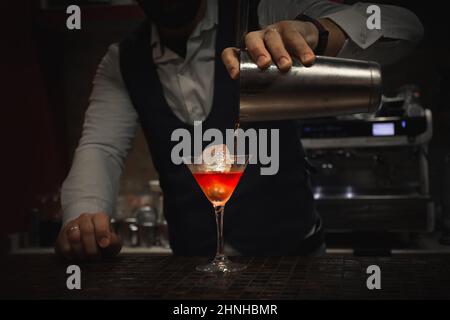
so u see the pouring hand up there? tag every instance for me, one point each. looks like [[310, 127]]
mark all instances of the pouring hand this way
[[280, 41], [276, 43]]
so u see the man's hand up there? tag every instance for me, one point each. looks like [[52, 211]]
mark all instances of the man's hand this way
[[88, 237], [278, 42]]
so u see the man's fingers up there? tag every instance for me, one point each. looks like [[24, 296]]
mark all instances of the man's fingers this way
[[277, 42], [114, 248], [298, 46], [102, 229], [275, 45], [230, 58], [88, 239], [254, 42], [74, 237]]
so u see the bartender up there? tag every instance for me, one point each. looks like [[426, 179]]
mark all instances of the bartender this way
[[179, 67]]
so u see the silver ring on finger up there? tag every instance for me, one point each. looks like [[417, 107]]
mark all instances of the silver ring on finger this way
[[74, 228]]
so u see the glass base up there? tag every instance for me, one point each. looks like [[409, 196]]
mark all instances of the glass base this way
[[221, 265]]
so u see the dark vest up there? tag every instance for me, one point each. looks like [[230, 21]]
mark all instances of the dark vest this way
[[267, 215]]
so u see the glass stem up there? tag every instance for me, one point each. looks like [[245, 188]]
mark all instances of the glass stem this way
[[220, 254]]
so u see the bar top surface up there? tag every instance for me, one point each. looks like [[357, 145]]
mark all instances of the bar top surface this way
[[139, 276]]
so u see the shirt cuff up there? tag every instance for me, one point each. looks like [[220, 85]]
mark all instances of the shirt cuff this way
[[354, 24], [74, 210]]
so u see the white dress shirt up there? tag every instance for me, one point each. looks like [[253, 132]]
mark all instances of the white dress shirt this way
[[188, 84]]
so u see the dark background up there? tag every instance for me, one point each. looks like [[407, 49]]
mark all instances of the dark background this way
[[46, 79]]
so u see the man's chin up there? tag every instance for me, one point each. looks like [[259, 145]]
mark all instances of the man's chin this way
[[180, 15], [173, 24]]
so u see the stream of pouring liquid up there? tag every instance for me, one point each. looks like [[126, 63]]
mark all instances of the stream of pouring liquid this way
[[237, 125]]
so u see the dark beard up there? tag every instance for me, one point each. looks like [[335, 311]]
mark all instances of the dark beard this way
[[171, 14]]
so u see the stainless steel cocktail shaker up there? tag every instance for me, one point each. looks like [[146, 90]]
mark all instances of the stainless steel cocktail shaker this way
[[331, 87]]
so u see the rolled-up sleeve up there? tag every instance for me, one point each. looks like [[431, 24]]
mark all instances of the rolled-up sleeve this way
[[400, 29], [109, 127], [396, 23]]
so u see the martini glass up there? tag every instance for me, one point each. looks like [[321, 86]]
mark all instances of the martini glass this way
[[218, 181]]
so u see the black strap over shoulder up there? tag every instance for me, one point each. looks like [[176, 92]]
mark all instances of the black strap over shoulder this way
[[247, 20], [253, 19]]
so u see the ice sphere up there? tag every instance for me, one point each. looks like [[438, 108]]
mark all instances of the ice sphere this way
[[217, 158]]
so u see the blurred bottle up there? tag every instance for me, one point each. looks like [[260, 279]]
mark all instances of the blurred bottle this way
[[33, 228], [128, 231], [50, 220], [146, 221], [145, 195], [411, 95], [44, 221], [157, 200], [129, 200]]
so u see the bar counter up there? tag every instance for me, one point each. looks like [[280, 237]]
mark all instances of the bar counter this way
[[138, 276]]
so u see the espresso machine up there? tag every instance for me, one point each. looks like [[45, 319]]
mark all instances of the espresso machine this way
[[369, 172]]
